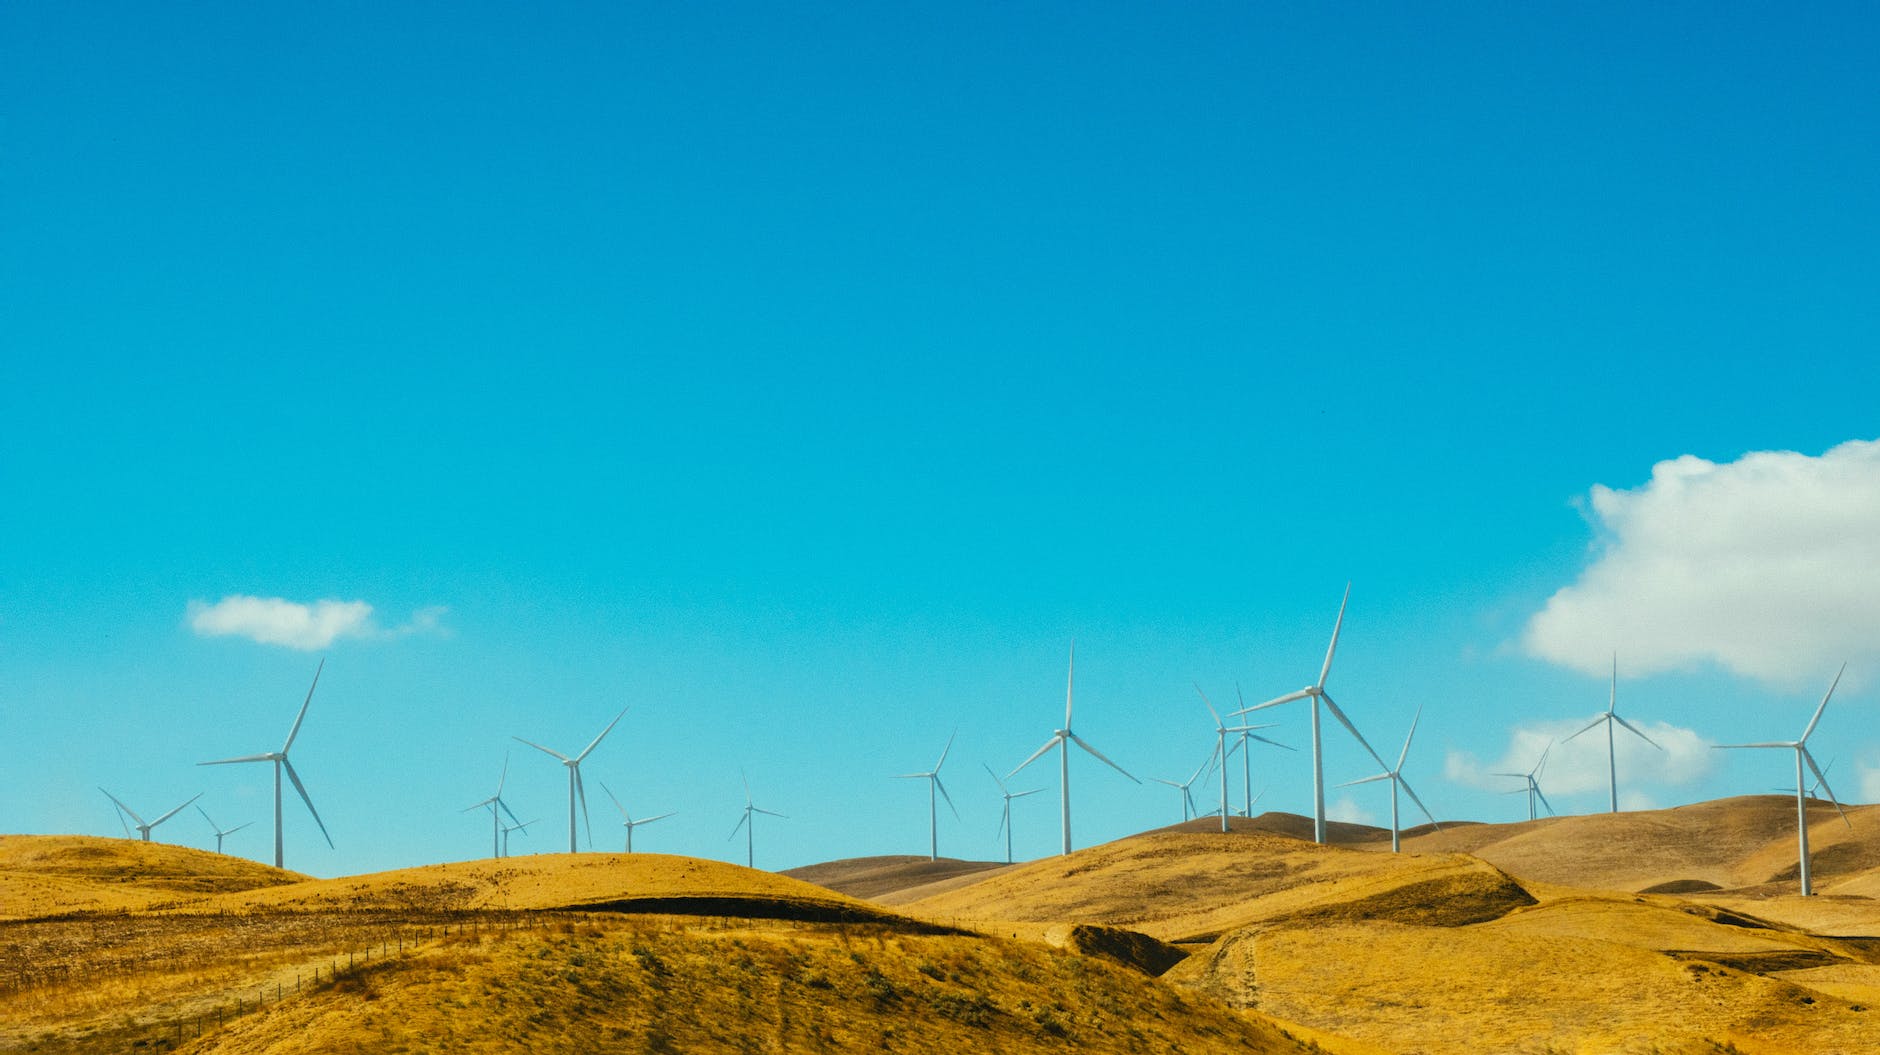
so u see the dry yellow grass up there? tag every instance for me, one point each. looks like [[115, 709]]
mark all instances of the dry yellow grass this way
[[44, 875]]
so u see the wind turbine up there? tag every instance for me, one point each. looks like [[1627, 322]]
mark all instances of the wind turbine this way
[[1005, 815], [1246, 757], [932, 777], [1317, 694], [575, 787], [1221, 750], [1062, 739], [495, 803], [1396, 778], [627, 818], [279, 758], [1802, 756], [749, 825], [1189, 809], [1612, 753], [507, 828], [1533, 788], [219, 833], [143, 829]]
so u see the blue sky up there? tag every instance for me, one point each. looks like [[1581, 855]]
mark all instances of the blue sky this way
[[808, 380]]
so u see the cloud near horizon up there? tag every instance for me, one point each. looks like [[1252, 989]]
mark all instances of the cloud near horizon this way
[[1768, 567], [1579, 766], [307, 627]]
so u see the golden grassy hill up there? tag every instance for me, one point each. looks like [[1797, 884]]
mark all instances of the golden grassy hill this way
[[878, 877], [1727, 843], [43, 875], [1189, 887]]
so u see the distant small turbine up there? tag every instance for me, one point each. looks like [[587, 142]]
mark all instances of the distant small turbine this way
[[507, 828], [1396, 778], [495, 804], [1221, 750], [749, 825], [1062, 739], [279, 758], [1189, 809], [626, 819], [932, 777], [219, 833], [575, 788], [1005, 815], [1800, 747], [1533, 788], [1612, 751], [143, 829], [1246, 756], [1317, 694]]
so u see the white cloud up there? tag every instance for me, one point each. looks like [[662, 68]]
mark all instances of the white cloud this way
[[1579, 766], [1346, 809], [278, 621], [1768, 566], [1869, 783]]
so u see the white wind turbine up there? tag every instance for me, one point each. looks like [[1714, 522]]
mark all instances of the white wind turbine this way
[[1005, 815], [143, 829], [1246, 756], [219, 833], [1317, 694], [1062, 739], [1800, 747], [749, 824], [1396, 778], [626, 819], [495, 803], [575, 787], [1533, 789], [932, 777], [507, 828], [1189, 809], [1612, 751], [279, 758], [1221, 750]]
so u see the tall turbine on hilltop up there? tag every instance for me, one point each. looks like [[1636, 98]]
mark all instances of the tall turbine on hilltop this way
[[1612, 751], [1221, 750], [497, 807], [748, 822], [219, 833], [143, 829], [575, 787], [1396, 778], [1317, 694], [626, 819], [279, 758], [1005, 815], [1533, 788], [932, 777], [1062, 739], [1802, 757]]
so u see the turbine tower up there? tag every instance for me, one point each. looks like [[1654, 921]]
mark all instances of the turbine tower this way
[[1396, 778], [143, 829], [1802, 757], [1612, 752], [749, 825], [1533, 788], [1062, 739], [1005, 815], [507, 828], [219, 833], [626, 819], [1246, 757], [495, 803], [575, 787], [279, 758], [1317, 694], [932, 777], [1189, 809], [1221, 750]]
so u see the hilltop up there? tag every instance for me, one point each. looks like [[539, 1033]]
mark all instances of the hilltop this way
[[44, 875]]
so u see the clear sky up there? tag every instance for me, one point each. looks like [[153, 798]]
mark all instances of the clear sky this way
[[808, 379]]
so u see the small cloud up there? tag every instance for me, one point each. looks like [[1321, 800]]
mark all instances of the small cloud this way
[[1580, 766], [1767, 567], [278, 621], [1347, 810], [1869, 783]]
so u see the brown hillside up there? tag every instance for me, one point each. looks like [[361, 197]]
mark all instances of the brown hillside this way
[[876, 877], [42, 875]]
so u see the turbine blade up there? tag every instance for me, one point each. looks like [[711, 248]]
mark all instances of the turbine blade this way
[[1405, 753], [244, 758], [659, 817], [1366, 780], [1048, 745], [1824, 704], [1005, 817], [1216, 715], [1170, 783], [1276, 701], [1594, 724], [1636, 732], [580, 791], [1539, 794], [615, 801], [544, 750], [123, 807], [745, 816], [1772, 743], [994, 776], [1612, 695], [490, 802], [944, 795], [212, 824], [769, 813], [302, 716], [1275, 743], [175, 811], [592, 744], [945, 752], [1542, 764], [1339, 714], [1070, 679], [1823, 779], [237, 828], [304, 797], [1022, 794], [505, 808], [1100, 757], [1408, 790], [1336, 627], [505, 777]]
